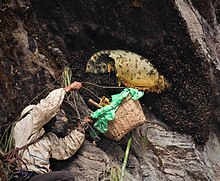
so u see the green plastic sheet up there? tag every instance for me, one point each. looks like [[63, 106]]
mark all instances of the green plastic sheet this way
[[107, 113]]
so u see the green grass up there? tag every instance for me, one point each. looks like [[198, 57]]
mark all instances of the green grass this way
[[117, 173], [7, 141]]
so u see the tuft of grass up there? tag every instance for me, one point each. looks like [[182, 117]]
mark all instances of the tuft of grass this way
[[67, 80], [115, 173], [7, 141], [67, 76]]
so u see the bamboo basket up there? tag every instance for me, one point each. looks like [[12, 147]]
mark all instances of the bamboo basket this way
[[129, 115]]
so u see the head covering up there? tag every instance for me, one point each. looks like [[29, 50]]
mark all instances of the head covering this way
[[61, 116], [58, 124], [27, 109]]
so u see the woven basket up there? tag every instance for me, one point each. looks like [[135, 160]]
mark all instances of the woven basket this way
[[129, 115]]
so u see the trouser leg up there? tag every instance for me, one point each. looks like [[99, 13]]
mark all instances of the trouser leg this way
[[54, 176]]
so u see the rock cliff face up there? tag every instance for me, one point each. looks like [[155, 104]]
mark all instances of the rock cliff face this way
[[180, 38]]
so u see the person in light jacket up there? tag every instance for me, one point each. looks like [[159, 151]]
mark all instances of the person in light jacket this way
[[36, 156]]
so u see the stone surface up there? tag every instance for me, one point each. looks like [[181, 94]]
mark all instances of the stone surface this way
[[175, 156], [156, 153]]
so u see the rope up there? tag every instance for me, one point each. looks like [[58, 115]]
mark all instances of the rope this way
[[79, 117], [14, 159], [43, 91], [77, 110], [101, 86], [91, 92]]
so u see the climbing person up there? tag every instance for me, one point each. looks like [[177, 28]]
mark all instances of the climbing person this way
[[38, 145]]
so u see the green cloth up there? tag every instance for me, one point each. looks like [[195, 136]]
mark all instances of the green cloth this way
[[107, 113]]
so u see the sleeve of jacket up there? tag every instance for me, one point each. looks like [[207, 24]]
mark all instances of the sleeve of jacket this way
[[30, 127], [63, 148], [47, 108]]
